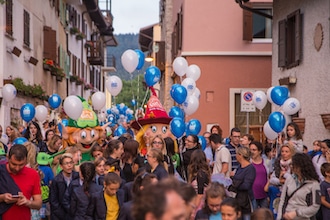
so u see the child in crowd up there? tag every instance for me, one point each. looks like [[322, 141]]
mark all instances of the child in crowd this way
[[99, 170], [325, 191], [230, 209], [294, 137], [106, 204], [316, 149]]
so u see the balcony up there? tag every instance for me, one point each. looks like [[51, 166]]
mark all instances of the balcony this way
[[95, 52]]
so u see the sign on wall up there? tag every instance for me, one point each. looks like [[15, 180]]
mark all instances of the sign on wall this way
[[247, 104]]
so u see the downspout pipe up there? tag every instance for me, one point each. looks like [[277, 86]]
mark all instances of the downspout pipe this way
[[253, 10]]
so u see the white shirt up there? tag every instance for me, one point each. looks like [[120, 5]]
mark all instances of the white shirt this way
[[222, 155]]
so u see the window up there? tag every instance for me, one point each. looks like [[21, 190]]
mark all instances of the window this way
[[9, 17], [255, 26], [289, 40], [26, 37], [49, 43]]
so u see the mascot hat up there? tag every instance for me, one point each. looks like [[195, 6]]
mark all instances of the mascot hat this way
[[155, 113]]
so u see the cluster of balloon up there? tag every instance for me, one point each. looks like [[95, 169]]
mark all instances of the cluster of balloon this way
[[117, 115], [278, 95], [187, 93], [114, 85], [9, 92], [132, 60]]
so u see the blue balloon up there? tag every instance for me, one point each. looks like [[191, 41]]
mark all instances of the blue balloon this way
[[133, 102], [54, 101], [152, 75], [27, 112], [193, 127], [276, 121], [177, 127], [65, 122], [112, 119], [178, 93], [202, 141], [108, 111], [141, 57], [19, 140], [279, 94], [176, 111], [120, 131]]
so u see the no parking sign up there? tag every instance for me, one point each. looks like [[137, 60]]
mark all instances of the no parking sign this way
[[247, 104]]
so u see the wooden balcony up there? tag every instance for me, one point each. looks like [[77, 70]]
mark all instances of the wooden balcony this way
[[95, 52]]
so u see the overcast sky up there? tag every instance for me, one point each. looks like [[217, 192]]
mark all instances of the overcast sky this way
[[131, 15]]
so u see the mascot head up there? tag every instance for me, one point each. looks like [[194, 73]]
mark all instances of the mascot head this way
[[155, 122]]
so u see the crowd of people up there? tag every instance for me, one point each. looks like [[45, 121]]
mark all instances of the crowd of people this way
[[277, 179]]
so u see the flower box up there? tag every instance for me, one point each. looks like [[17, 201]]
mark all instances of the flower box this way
[[326, 120], [59, 78], [46, 67]]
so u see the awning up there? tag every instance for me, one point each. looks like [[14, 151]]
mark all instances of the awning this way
[[146, 37]]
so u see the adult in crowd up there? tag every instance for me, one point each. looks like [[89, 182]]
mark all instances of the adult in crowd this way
[[215, 193], [19, 186], [199, 176], [96, 151], [262, 214], [99, 164], [208, 149], [81, 195], [162, 200], [114, 150], [191, 144], [155, 159], [246, 140], [261, 200], [60, 184], [130, 167], [234, 144], [325, 189], [141, 182], [216, 129], [170, 148], [158, 142], [243, 181], [301, 197], [222, 160], [322, 158], [33, 134], [316, 149], [48, 136], [12, 134]]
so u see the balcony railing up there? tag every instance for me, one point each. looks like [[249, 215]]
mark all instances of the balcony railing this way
[[95, 52]]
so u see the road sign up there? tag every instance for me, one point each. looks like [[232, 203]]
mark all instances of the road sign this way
[[247, 104]]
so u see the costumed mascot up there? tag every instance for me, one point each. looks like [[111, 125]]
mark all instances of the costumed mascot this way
[[83, 132], [155, 122]]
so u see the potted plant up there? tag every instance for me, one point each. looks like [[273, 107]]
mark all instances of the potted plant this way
[[73, 78], [48, 64], [80, 36], [88, 86], [80, 81], [60, 74], [74, 30]]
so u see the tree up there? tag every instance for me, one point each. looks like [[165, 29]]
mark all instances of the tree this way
[[133, 89]]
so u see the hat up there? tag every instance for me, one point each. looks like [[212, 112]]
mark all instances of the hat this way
[[2, 152], [155, 113], [43, 158]]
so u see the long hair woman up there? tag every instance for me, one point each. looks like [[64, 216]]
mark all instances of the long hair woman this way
[[199, 176], [301, 191]]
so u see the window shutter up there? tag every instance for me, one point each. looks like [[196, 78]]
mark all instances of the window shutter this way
[[180, 30], [26, 31], [49, 43], [247, 25], [281, 43], [297, 36], [9, 17]]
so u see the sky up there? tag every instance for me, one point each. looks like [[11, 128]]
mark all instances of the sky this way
[[131, 15]]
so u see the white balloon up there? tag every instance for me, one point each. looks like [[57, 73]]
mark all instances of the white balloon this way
[[269, 91], [269, 132], [41, 113], [190, 105], [180, 66], [197, 93], [114, 85], [194, 72], [291, 106], [129, 60], [73, 107], [190, 85], [9, 92], [4, 139], [101, 116], [259, 99], [98, 100]]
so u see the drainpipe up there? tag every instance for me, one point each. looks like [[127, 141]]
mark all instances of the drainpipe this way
[[253, 10]]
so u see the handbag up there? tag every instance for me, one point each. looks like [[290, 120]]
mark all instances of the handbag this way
[[287, 198]]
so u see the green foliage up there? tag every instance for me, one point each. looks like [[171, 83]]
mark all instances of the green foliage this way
[[132, 89], [29, 90]]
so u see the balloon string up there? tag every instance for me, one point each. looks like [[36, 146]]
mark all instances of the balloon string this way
[[145, 97]]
